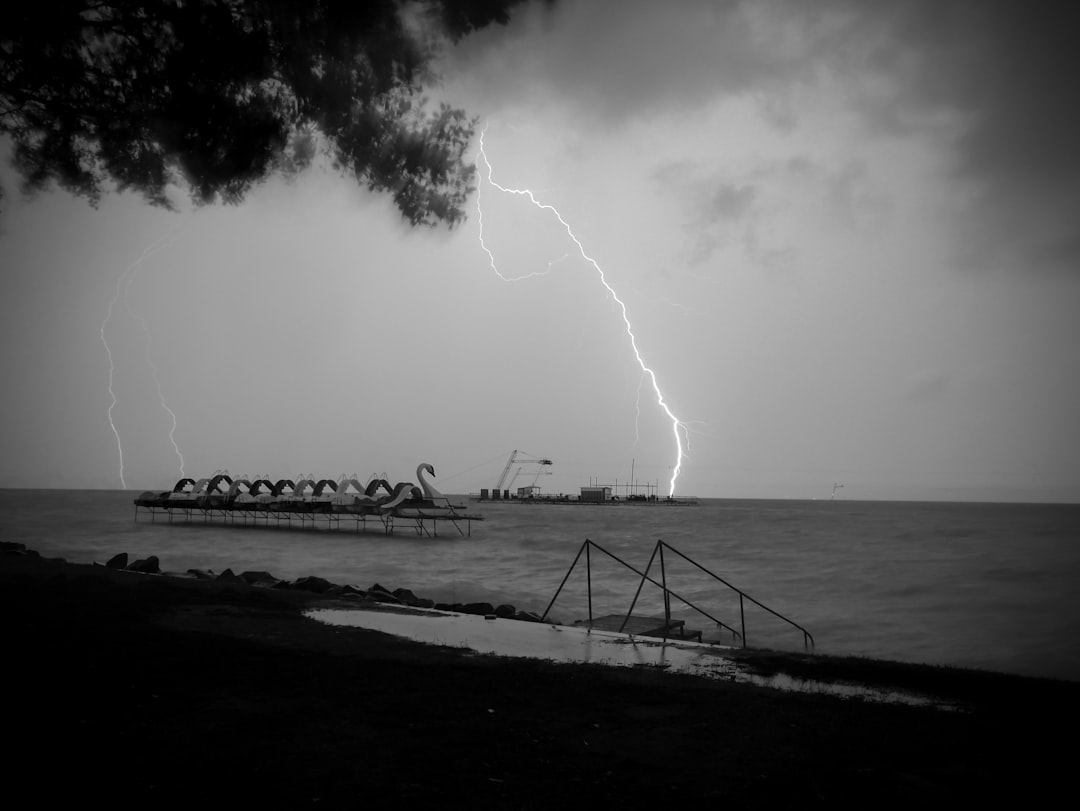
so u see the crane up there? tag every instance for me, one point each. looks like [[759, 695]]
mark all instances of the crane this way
[[539, 472], [521, 459]]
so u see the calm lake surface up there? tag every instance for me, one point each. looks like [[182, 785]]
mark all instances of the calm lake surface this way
[[982, 585]]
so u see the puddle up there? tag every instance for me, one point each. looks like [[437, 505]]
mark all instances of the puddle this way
[[782, 681], [560, 643]]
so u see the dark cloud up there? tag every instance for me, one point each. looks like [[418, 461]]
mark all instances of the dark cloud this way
[[717, 211], [731, 202], [928, 385], [615, 61], [856, 198], [1007, 70], [998, 73]]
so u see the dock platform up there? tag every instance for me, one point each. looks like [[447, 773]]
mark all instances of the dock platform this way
[[643, 626], [323, 516], [309, 502]]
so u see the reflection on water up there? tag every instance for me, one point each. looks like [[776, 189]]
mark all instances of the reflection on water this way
[[557, 643]]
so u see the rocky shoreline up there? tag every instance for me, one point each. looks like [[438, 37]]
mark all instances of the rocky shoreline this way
[[182, 690], [310, 583]]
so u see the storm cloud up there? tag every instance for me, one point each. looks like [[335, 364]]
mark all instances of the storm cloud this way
[[990, 82]]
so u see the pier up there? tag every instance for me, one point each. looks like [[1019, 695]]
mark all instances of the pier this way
[[341, 505], [327, 520]]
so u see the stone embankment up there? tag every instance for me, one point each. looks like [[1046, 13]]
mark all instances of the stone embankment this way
[[317, 585]]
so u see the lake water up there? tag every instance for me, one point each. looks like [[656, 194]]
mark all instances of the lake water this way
[[981, 585]]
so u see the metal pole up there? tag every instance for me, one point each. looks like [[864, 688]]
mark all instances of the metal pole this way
[[742, 617], [567, 577], [640, 585], [588, 571], [806, 634], [667, 597]]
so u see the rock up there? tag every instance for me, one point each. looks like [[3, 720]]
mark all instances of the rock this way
[[119, 561], [202, 574], [353, 591], [16, 548], [384, 597], [505, 610], [406, 596], [259, 578], [148, 565], [479, 608], [381, 594], [229, 576], [444, 607], [423, 602], [319, 585]]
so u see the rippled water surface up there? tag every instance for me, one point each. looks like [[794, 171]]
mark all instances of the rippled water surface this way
[[968, 584]]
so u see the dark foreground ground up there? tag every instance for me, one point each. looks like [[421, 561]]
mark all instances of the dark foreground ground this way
[[147, 691]]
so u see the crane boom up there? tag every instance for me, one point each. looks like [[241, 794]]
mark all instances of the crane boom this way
[[521, 459]]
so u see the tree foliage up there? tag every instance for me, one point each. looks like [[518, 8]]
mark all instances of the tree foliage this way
[[218, 94]]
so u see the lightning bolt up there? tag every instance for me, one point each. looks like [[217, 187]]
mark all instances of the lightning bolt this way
[[678, 427], [665, 300], [153, 369], [123, 282], [112, 394], [637, 410]]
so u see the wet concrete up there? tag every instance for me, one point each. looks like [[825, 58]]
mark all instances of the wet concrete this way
[[560, 643]]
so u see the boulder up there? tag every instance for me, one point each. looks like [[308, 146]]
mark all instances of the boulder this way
[[148, 565], [381, 594], [259, 578], [479, 608], [406, 596], [383, 597], [505, 610], [319, 585], [119, 561], [16, 548]]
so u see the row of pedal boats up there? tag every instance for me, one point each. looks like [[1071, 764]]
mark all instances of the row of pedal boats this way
[[305, 495]]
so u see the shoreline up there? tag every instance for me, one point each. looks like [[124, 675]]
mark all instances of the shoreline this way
[[206, 690]]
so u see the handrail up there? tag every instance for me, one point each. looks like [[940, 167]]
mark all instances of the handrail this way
[[808, 639], [807, 636], [589, 544]]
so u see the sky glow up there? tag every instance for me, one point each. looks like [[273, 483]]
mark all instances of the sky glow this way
[[841, 231]]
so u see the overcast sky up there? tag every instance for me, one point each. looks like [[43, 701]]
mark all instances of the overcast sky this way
[[846, 236]]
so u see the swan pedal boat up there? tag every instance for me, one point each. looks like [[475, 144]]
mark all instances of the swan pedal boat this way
[[404, 500]]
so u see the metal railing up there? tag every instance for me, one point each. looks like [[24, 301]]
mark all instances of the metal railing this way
[[658, 550]]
